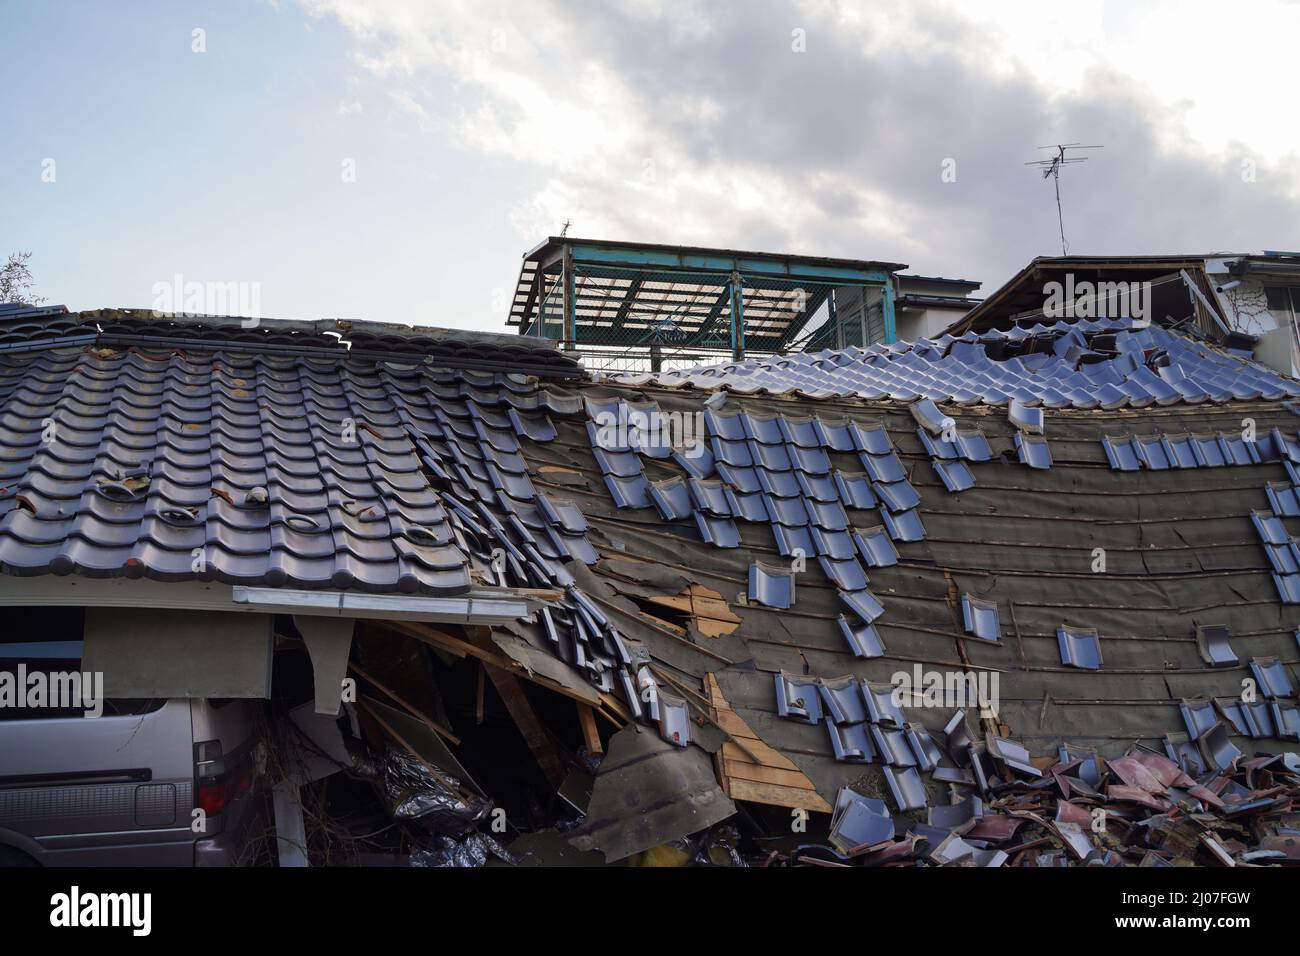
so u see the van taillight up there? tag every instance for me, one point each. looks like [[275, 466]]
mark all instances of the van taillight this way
[[216, 793]]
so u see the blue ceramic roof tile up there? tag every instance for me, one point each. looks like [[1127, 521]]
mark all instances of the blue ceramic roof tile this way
[[903, 525], [871, 439], [801, 431], [846, 575], [671, 498], [862, 639], [629, 492], [719, 532], [697, 461], [836, 436], [743, 480], [980, 618], [834, 544], [1120, 453], [876, 547], [790, 512], [937, 447], [851, 743], [771, 586], [792, 539], [814, 461], [898, 495], [711, 496], [748, 507], [778, 484], [731, 427], [955, 475], [864, 604], [855, 490], [798, 697], [732, 452], [1215, 646], [885, 467], [1080, 647], [1033, 451], [973, 445], [772, 457], [766, 430], [817, 487], [1270, 528], [1271, 677], [842, 700], [827, 515]]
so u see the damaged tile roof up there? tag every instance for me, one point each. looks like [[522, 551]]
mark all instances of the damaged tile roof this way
[[1111, 363], [180, 450], [755, 576]]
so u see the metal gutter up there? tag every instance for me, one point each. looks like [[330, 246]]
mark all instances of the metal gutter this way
[[473, 608]]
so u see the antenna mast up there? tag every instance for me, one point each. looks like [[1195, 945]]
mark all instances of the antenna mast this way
[[1052, 167]]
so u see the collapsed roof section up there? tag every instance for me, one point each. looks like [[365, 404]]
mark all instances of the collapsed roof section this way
[[974, 507]]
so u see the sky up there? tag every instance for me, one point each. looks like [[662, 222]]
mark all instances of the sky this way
[[393, 160]]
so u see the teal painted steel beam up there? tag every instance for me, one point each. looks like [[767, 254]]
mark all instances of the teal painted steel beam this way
[[737, 319], [784, 267], [887, 311]]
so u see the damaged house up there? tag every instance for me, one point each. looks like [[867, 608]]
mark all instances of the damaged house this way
[[1026, 595]]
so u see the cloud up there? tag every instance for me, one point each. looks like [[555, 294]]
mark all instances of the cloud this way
[[700, 123]]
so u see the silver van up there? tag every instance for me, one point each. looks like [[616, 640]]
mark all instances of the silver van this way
[[146, 783]]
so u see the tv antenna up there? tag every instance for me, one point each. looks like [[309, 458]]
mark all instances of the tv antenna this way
[[1052, 167], [564, 229]]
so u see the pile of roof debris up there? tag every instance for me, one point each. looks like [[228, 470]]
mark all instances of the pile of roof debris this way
[[1140, 809]]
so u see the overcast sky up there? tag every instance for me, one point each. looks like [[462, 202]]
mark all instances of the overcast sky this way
[[393, 160]]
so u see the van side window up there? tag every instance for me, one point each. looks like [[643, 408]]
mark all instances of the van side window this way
[[44, 644]]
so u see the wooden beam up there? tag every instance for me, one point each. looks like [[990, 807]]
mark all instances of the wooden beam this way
[[521, 711], [587, 718], [406, 705]]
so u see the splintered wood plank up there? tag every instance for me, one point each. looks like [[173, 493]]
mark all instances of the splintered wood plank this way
[[774, 779], [712, 614], [776, 796]]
